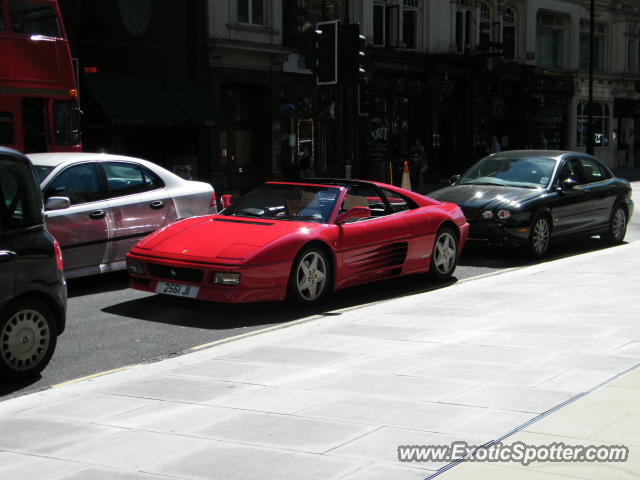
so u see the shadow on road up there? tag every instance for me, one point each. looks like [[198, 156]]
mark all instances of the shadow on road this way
[[11, 387], [106, 282], [512, 257], [221, 316]]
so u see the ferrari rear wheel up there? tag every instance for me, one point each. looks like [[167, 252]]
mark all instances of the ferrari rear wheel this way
[[310, 276], [445, 254]]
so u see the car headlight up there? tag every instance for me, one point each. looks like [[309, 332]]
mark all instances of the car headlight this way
[[224, 278], [487, 214], [504, 214], [135, 267]]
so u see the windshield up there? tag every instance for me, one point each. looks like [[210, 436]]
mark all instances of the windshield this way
[[41, 172], [531, 172], [300, 203]]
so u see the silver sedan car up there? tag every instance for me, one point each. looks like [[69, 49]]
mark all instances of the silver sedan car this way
[[99, 205]]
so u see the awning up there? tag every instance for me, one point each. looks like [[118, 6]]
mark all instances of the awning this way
[[129, 100]]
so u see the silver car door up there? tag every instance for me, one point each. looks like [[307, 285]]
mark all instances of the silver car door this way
[[82, 229], [139, 205]]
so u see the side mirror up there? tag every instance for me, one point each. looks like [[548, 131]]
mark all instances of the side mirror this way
[[57, 203], [454, 179], [354, 212], [568, 184], [226, 200]]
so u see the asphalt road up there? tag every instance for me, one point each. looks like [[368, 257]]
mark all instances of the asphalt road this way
[[110, 326]]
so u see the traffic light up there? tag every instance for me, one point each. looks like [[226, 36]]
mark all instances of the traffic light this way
[[326, 52], [363, 76]]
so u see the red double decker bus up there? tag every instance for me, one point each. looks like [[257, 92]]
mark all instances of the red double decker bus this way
[[38, 94]]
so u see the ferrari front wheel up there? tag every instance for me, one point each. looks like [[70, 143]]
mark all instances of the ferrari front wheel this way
[[310, 276], [445, 254]]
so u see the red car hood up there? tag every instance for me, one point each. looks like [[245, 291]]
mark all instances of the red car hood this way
[[217, 238]]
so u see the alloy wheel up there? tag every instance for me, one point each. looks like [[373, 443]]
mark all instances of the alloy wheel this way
[[445, 253], [311, 275], [619, 225], [540, 237], [24, 340]]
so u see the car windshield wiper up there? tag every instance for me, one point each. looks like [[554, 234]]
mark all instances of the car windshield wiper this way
[[484, 183], [525, 186]]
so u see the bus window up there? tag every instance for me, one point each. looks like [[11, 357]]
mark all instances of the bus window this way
[[65, 123], [33, 123], [33, 18], [6, 129]]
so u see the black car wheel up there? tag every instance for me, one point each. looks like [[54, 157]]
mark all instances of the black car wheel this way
[[310, 276], [445, 254], [27, 339], [617, 226], [540, 236]]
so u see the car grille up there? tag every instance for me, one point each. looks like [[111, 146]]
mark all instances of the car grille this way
[[470, 213], [175, 273]]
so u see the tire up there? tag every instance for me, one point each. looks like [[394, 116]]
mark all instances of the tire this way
[[310, 277], [539, 237], [444, 256], [617, 226], [27, 339]]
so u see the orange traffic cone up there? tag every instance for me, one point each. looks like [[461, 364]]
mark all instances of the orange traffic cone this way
[[406, 180]]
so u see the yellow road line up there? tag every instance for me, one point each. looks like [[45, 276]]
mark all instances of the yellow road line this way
[[94, 375]]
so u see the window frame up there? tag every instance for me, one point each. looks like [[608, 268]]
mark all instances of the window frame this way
[[141, 168], [600, 35], [547, 21], [509, 20], [102, 187], [250, 13]]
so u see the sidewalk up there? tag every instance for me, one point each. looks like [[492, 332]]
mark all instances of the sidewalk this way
[[333, 398]]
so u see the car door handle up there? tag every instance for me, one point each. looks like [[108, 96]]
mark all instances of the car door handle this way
[[157, 204], [6, 255], [98, 214]]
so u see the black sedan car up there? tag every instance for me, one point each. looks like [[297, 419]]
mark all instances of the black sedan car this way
[[531, 197]]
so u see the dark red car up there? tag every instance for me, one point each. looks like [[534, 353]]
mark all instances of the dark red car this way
[[300, 240]]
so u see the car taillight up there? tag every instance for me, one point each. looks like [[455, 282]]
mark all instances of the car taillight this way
[[58, 251]]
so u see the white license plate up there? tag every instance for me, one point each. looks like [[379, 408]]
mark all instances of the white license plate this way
[[178, 289]]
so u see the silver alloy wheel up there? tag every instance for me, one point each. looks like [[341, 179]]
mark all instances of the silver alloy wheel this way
[[619, 225], [445, 253], [25, 339], [541, 234], [311, 276]]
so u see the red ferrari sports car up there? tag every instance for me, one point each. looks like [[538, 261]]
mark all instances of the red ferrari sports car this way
[[300, 240]]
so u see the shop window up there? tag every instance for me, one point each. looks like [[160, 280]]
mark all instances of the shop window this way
[[551, 40], [509, 34], [599, 42], [251, 12], [601, 115]]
